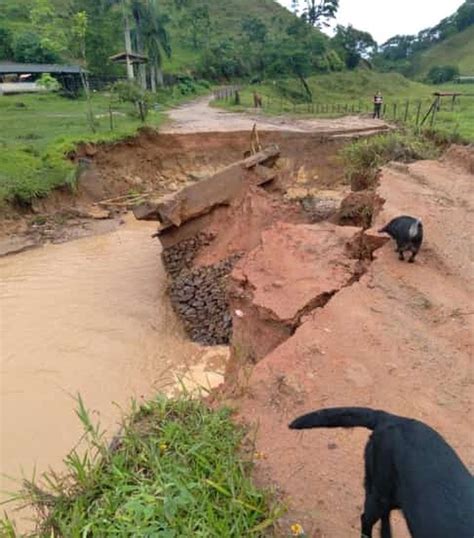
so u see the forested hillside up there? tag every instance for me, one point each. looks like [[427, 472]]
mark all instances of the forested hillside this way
[[456, 50], [437, 54], [215, 40]]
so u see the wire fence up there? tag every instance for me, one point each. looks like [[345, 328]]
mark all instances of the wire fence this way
[[426, 112]]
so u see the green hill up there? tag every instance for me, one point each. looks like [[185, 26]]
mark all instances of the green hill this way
[[457, 50], [192, 28]]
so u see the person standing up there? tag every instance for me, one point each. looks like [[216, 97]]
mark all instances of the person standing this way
[[378, 102]]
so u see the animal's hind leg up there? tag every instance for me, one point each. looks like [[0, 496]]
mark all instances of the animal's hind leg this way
[[386, 531], [399, 249], [371, 515], [412, 257]]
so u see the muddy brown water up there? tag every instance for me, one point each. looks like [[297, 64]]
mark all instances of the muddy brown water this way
[[92, 317]]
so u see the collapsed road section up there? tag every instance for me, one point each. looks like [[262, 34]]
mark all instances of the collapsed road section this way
[[314, 320], [246, 261]]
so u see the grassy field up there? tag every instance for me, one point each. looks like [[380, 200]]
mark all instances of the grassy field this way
[[343, 93], [178, 469], [37, 131]]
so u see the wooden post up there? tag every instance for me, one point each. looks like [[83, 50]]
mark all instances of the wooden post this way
[[394, 111], [111, 118], [418, 111], [452, 102], [435, 109], [407, 105], [384, 110]]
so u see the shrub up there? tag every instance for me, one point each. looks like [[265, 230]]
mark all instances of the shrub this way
[[364, 158], [439, 74], [48, 82]]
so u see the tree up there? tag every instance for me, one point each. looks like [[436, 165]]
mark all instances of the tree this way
[[353, 45], [156, 40], [49, 27], [465, 15], [6, 40], [442, 73], [255, 29], [150, 35], [199, 22], [319, 12], [28, 47]]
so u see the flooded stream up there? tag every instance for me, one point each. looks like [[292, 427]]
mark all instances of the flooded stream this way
[[92, 317]]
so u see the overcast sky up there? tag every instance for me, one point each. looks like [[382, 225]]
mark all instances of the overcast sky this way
[[385, 18]]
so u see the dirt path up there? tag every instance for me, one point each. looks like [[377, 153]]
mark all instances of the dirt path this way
[[199, 116], [400, 339]]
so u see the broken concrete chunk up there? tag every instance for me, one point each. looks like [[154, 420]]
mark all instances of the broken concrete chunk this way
[[219, 189]]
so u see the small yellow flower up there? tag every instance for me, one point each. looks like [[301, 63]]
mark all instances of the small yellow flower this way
[[163, 447], [260, 456], [297, 529]]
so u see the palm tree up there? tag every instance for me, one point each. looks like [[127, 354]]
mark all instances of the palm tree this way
[[149, 35], [157, 42]]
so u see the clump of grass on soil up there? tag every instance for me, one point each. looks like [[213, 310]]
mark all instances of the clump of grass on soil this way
[[363, 158], [176, 470]]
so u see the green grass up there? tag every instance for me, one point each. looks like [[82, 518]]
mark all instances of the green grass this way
[[38, 131], [178, 471], [338, 94], [363, 158], [456, 50]]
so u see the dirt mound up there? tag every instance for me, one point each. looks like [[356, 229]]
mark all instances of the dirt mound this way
[[398, 339], [359, 208], [460, 157]]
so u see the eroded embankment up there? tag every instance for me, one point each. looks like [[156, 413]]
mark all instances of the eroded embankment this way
[[114, 176], [318, 320], [400, 339]]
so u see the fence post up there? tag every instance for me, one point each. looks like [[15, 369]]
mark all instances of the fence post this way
[[407, 105], [384, 110], [435, 109], [111, 118], [418, 111], [394, 111]]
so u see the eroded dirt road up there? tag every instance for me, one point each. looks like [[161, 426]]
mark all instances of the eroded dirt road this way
[[198, 116], [399, 339]]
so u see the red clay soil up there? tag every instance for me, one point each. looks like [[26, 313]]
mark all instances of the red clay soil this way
[[239, 227], [154, 160], [295, 269], [399, 339]]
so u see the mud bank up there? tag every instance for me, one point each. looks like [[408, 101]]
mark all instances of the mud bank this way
[[114, 176], [324, 314]]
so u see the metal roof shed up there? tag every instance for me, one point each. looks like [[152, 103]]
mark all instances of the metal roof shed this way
[[14, 68]]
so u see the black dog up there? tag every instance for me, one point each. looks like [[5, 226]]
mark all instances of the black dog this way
[[408, 233], [408, 466]]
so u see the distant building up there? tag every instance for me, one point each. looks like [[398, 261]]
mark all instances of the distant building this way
[[21, 78]]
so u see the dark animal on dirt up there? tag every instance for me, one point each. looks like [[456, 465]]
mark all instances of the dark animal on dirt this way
[[408, 466], [407, 232]]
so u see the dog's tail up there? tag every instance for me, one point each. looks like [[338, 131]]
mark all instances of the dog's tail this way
[[341, 417]]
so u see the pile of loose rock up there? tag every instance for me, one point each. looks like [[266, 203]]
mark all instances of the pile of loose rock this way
[[180, 256], [199, 297]]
